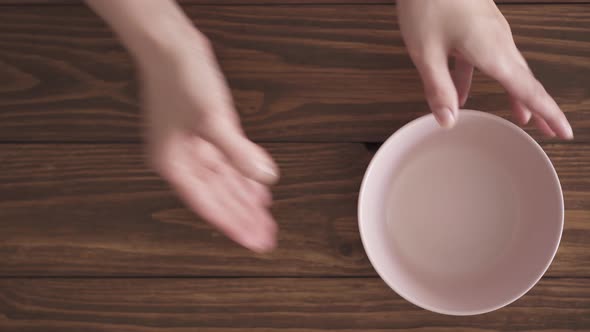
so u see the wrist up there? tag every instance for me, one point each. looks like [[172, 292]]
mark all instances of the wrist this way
[[169, 40], [149, 28]]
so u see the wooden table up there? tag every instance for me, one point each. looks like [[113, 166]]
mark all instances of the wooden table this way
[[91, 240]]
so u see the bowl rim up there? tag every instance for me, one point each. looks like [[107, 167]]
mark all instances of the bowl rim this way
[[369, 171]]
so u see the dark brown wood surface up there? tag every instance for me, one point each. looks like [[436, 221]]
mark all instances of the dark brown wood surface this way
[[96, 210], [310, 305], [299, 73], [91, 240], [274, 2]]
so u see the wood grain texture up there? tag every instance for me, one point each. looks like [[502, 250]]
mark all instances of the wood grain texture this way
[[305, 73], [273, 2], [310, 72], [310, 305], [95, 210]]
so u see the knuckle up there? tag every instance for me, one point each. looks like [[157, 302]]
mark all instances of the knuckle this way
[[502, 26], [536, 91], [501, 67], [416, 53], [202, 43], [419, 54], [160, 164], [207, 120], [437, 96]]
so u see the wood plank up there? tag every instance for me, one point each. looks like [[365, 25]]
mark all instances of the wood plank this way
[[305, 73], [273, 2], [310, 305], [95, 210]]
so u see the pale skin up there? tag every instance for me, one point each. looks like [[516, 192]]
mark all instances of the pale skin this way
[[194, 137]]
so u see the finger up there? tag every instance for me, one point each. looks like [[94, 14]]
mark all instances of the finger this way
[[438, 86], [521, 114], [462, 76], [260, 191], [213, 202], [248, 191], [532, 94], [250, 159], [204, 199], [518, 80], [204, 154], [246, 205], [192, 167], [258, 225], [543, 126]]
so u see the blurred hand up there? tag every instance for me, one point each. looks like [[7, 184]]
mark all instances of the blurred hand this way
[[196, 143], [474, 33]]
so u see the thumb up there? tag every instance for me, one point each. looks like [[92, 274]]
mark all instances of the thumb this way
[[439, 88], [244, 155]]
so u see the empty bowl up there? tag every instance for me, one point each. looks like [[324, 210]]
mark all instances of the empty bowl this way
[[461, 221]]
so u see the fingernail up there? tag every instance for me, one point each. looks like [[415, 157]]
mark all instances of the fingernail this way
[[262, 247], [568, 131], [526, 119], [445, 117], [253, 243], [464, 100], [268, 172], [259, 243]]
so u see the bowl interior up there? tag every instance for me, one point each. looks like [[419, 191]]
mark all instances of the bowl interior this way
[[461, 221]]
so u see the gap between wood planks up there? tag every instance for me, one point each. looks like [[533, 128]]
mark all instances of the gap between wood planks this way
[[283, 3], [82, 277]]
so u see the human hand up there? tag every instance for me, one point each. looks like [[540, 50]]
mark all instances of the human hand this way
[[194, 135], [475, 33], [196, 143]]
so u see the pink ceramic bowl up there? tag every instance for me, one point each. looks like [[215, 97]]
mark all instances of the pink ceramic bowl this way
[[461, 221]]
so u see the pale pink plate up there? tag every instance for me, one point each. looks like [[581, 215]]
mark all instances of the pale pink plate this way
[[461, 221]]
